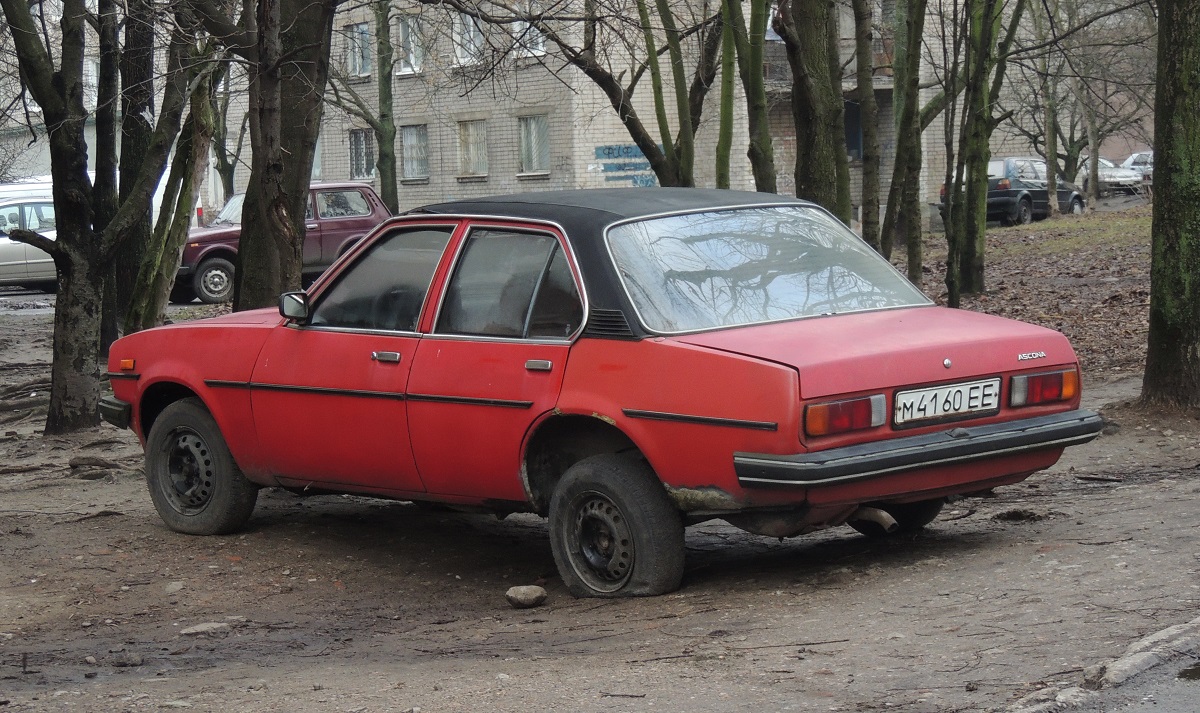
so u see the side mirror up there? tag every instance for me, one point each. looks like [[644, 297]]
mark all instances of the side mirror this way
[[294, 306]]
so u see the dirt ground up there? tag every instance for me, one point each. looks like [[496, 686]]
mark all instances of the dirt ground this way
[[346, 604]]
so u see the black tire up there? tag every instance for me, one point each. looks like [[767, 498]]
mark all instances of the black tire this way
[[182, 293], [194, 482], [1076, 207], [1024, 215], [614, 530], [911, 517], [213, 281]]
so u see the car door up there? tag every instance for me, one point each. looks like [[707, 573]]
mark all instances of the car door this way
[[344, 213], [329, 395], [494, 361], [1032, 175], [312, 238], [39, 217]]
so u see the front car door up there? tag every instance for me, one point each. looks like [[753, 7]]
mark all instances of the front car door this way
[[39, 217], [343, 213], [12, 253], [329, 396], [494, 362]]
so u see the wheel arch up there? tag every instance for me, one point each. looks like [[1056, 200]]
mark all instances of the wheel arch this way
[[157, 397], [561, 441], [217, 251]]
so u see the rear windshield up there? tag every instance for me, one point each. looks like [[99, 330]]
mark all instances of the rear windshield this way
[[742, 266], [995, 169]]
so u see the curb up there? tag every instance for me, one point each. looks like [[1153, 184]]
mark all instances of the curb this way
[[1142, 655]]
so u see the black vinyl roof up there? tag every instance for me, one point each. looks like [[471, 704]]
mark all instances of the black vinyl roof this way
[[585, 214]]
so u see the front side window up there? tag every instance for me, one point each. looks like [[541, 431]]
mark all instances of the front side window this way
[[534, 144], [511, 284], [358, 49], [386, 287], [362, 153], [751, 265], [472, 148], [468, 40], [342, 204], [411, 49], [414, 151]]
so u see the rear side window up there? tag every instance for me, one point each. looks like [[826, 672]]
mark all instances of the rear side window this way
[[385, 288], [342, 204], [511, 284]]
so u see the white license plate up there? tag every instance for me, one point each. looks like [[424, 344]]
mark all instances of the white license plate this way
[[943, 402]]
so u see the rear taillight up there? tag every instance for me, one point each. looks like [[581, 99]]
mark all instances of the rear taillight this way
[[841, 416], [1003, 184], [1048, 387]]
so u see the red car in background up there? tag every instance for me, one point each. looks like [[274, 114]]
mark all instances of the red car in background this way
[[624, 362], [338, 215]]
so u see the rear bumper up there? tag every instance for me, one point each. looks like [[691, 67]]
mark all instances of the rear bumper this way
[[958, 445], [116, 411]]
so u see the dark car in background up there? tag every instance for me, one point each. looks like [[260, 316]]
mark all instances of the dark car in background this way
[[338, 215], [1017, 191]]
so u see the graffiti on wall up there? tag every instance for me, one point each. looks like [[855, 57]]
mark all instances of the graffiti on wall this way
[[623, 163]]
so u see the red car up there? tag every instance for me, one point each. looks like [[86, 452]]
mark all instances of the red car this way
[[339, 214], [624, 362]]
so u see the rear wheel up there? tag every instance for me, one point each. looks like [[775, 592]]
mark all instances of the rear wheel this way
[[1024, 214], [1076, 205], [213, 281], [614, 531], [196, 486], [910, 517]]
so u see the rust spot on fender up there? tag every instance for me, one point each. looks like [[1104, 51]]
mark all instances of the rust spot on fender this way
[[607, 419], [709, 497]]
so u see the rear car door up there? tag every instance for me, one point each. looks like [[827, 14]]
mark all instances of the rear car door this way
[[12, 253], [329, 396], [343, 213], [39, 217], [494, 362]]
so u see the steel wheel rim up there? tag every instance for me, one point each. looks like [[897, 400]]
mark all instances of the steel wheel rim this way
[[189, 470], [600, 542], [215, 282]]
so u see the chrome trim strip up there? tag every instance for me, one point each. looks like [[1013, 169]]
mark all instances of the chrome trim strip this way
[[122, 375], [320, 390], [702, 420]]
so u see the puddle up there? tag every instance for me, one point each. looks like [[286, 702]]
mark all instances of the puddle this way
[[1191, 673]]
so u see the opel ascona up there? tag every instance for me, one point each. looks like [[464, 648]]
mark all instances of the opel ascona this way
[[623, 362]]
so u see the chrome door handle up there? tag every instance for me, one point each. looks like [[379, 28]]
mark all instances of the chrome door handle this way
[[311, 227], [389, 357], [539, 365]]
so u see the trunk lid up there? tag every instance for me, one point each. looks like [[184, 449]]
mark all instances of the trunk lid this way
[[870, 351]]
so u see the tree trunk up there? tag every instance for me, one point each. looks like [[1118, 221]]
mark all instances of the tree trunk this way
[[725, 130], [385, 132], [270, 254], [816, 106], [868, 111], [749, 46], [908, 132], [1173, 355]]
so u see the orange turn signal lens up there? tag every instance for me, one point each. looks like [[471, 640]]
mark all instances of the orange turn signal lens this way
[[842, 416], [126, 365], [1049, 387]]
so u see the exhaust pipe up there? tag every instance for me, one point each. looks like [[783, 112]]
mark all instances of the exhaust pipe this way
[[877, 516]]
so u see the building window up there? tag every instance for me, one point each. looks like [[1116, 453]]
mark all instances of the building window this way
[[852, 118], [414, 151], [412, 52], [362, 153], [535, 144], [530, 40], [468, 40], [472, 148], [91, 83], [358, 49]]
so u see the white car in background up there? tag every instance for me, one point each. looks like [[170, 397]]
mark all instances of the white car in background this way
[[1113, 178], [21, 264], [1143, 163]]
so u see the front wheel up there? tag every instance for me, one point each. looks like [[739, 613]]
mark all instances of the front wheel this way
[[213, 281], [196, 486], [1076, 206], [910, 517], [614, 531]]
